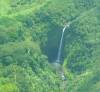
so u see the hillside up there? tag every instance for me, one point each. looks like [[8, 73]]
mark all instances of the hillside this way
[[30, 33]]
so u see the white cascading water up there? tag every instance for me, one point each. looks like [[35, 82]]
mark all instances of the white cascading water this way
[[61, 42], [58, 61]]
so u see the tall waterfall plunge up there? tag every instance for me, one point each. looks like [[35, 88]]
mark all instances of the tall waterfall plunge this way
[[57, 64], [61, 43]]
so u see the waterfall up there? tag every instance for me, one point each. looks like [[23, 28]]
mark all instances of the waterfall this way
[[57, 64], [61, 43], [60, 46]]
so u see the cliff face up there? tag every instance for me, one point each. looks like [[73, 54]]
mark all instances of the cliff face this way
[[30, 32]]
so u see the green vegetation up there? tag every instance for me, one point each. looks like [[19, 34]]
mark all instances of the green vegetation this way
[[30, 32]]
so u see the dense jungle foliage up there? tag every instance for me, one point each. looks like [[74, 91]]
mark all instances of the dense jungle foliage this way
[[30, 32]]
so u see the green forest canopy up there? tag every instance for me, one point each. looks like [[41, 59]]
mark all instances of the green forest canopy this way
[[30, 32]]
